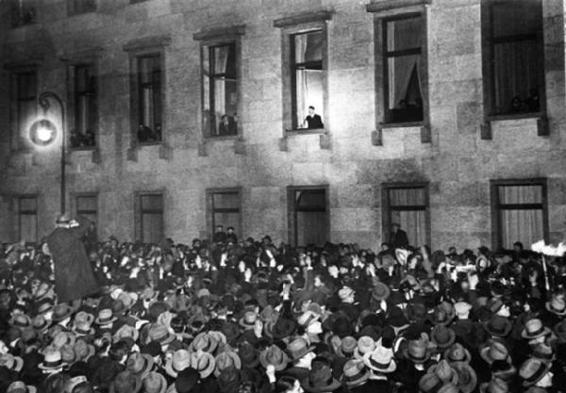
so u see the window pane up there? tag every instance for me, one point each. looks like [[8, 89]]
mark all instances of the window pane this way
[[308, 47], [152, 227], [86, 203], [28, 227], [310, 92], [311, 228], [404, 34], [151, 202], [28, 204], [404, 88], [310, 199], [520, 194], [525, 226], [516, 76], [407, 197], [513, 18], [226, 200], [413, 222], [148, 68], [27, 85], [225, 60]]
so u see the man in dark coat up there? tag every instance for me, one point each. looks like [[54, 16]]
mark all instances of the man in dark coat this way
[[398, 237], [74, 277]]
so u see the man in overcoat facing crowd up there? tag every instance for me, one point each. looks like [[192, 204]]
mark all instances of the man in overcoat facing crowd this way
[[74, 277]]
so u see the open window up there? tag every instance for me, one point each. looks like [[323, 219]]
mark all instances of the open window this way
[[85, 117], [224, 208], [309, 221], [150, 211]]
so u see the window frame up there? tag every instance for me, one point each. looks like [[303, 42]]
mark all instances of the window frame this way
[[488, 65], [387, 209], [290, 27], [140, 85], [35, 213], [139, 212], [210, 210], [423, 68], [292, 232], [230, 35], [18, 135], [73, 102], [496, 222]]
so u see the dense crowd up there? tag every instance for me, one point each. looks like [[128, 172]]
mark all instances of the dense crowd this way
[[250, 316]]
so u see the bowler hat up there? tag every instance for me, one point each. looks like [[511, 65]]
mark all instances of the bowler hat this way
[[273, 355], [320, 379]]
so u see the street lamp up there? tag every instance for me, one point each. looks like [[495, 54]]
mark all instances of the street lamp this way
[[43, 133]]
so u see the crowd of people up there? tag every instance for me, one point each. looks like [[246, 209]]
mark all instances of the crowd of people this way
[[233, 316]]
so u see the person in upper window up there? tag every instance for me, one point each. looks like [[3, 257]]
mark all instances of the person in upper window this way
[[313, 120], [219, 235], [227, 126], [398, 237]]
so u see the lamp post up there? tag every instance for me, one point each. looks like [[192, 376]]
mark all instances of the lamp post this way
[[43, 132]]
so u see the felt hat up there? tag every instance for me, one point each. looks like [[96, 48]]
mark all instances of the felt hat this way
[[273, 355], [20, 387], [498, 326], [430, 383], [345, 293], [105, 317], [229, 381], [82, 323], [560, 331], [153, 382], [494, 305], [204, 342], [283, 328], [20, 321], [83, 350], [125, 382], [161, 334], [320, 380], [39, 323], [68, 353], [444, 371], [225, 360], [11, 362], [495, 350], [397, 318], [64, 338], [307, 317], [139, 364], [534, 329], [533, 370], [416, 351], [442, 336], [467, 377], [126, 331], [462, 308], [380, 360], [365, 345], [248, 320], [61, 311], [496, 385], [543, 352], [556, 305], [186, 381], [298, 348], [449, 388], [457, 353], [503, 369], [380, 291], [443, 315], [180, 360], [52, 359], [203, 362], [347, 346], [342, 326], [354, 373]]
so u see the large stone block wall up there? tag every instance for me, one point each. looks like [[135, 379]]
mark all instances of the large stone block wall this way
[[457, 163]]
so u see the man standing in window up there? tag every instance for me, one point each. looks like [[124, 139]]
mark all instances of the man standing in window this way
[[313, 120], [398, 237]]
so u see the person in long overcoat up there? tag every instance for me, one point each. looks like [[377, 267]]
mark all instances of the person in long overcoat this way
[[74, 277]]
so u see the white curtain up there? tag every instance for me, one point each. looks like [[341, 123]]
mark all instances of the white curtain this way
[[412, 221], [220, 64], [521, 225]]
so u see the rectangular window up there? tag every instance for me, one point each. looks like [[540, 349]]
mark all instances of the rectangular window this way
[[407, 206], [513, 32], [149, 98], [27, 219], [309, 216], [403, 68], [220, 89], [25, 92], [308, 81], [151, 221], [87, 206], [76, 7], [84, 132], [224, 207], [520, 212], [23, 12]]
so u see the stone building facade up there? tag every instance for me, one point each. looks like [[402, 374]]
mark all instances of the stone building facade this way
[[415, 129]]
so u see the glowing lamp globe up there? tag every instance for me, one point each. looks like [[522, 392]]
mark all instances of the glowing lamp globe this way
[[43, 132]]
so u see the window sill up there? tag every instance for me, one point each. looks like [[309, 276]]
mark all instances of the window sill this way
[[407, 124], [305, 131], [516, 116], [221, 137]]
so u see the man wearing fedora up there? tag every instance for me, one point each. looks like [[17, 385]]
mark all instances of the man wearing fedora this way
[[74, 277]]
